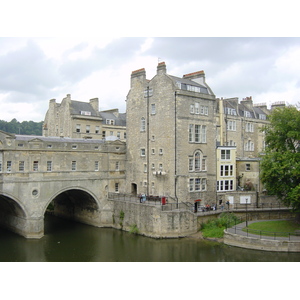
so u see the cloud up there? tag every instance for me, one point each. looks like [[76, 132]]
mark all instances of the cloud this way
[[27, 70]]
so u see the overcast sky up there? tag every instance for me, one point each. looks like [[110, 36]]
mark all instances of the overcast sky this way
[[35, 70]]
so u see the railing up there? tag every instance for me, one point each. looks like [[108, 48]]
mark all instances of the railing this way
[[241, 229]]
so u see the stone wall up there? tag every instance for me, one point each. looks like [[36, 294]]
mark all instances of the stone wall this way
[[151, 221], [261, 244]]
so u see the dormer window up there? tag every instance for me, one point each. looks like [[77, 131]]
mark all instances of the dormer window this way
[[110, 122]]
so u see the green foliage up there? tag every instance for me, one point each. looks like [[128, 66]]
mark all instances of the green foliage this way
[[215, 228], [280, 165], [122, 215], [133, 229], [26, 127]]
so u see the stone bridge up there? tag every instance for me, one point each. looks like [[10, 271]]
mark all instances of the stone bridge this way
[[74, 175]]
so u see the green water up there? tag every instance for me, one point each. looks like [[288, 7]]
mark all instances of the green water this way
[[67, 241]]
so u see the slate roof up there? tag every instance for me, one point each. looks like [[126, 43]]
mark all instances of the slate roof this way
[[120, 120], [78, 106]]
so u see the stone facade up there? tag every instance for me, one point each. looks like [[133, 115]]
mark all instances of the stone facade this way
[[171, 136], [76, 119]]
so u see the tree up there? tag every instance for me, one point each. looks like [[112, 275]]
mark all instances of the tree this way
[[280, 165]]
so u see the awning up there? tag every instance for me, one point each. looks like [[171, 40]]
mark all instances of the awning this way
[[197, 200]]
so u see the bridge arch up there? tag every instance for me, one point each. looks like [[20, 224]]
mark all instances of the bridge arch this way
[[13, 214], [76, 203]]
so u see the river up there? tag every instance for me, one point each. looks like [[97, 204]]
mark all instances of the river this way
[[67, 241]]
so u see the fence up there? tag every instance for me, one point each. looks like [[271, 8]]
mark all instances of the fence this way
[[240, 228]]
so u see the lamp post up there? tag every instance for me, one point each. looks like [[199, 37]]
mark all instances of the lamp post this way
[[246, 212]]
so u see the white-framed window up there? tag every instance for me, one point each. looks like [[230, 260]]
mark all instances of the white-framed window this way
[[143, 124], [230, 111], [225, 185], [49, 166], [74, 165], [110, 122], [97, 129], [197, 184], [204, 110], [226, 170], [145, 168], [249, 127], [153, 110], [197, 163], [249, 146], [87, 128], [21, 165], [262, 117], [78, 126], [192, 109], [197, 110], [35, 166], [143, 152], [197, 133], [225, 154], [247, 114], [231, 125]]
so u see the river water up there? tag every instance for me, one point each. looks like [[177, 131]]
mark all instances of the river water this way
[[67, 241]]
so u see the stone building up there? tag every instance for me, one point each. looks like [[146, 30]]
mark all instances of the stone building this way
[[77, 119], [171, 136]]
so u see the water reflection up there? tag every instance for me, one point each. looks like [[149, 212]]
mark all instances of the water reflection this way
[[67, 241]]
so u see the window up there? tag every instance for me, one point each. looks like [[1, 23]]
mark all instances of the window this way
[[192, 109], [35, 166], [87, 129], [230, 111], [197, 108], [77, 127], [160, 166], [160, 151], [191, 133], [153, 151], [110, 122], [49, 146], [231, 125], [262, 117], [117, 166], [74, 165], [118, 135], [249, 146], [197, 133], [153, 167], [153, 112], [197, 161], [74, 146], [197, 184], [143, 152], [0, 166], [225, 154], [124, 135], [204, 110], [143, 124], [249, 127], [247, 114], [111, 133], [191, 184], [103, 134], [20, 145], [248, 167], [225, 185], [117, 187], [96, 165], [97, 129], [203, 187], [21, 166], [145, 168], [226, 170], [49, 166]]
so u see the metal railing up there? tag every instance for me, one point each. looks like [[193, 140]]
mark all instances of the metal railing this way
[[240, 229]]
